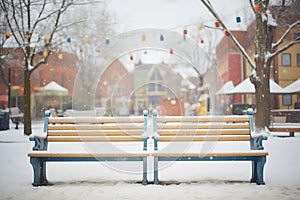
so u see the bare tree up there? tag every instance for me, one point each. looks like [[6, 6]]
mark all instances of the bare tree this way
[[93, 25], [270, 19], [33, 25], [4, 36]]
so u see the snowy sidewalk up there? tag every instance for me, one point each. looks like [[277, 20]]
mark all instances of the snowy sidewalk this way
[[192, 180]]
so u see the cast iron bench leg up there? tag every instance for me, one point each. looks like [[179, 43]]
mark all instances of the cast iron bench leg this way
[[145, 181], [254, 172], [17, 123], [260, 170], [155, 170], [39, 170]]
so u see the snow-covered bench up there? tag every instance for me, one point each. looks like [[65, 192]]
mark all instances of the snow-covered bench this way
[[182, 132], [291, 128], [16, 116], [81, 139]]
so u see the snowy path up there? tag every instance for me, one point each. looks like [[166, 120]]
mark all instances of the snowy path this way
[[198, 180]]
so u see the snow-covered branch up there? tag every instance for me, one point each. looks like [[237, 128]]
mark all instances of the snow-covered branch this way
[[207, 4], [274, 45], [63, 7], [40, 14], [285, 47], [4, 8]]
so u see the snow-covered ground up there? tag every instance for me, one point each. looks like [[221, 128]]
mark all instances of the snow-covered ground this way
[[189, 180]]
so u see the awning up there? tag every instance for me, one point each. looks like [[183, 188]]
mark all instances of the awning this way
[[16, 90], [246, 87], [3, 99], [228, 86], [293, 87]]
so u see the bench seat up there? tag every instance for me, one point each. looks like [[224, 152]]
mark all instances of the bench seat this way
[[46, 154], [210, 156]]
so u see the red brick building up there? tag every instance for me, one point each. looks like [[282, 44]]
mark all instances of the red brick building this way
[[115, 89], [61, 68], [231, 65]]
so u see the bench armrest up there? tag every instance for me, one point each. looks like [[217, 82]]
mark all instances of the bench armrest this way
[[256, 142], [40, 139], [155, 137], [145, 138], [40, 143]]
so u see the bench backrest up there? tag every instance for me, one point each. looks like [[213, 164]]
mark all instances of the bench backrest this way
[[202, 128], [15, 111], [94, 129]]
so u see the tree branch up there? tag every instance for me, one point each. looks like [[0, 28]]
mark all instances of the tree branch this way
[[5, 9], [284, 48], [285, 34], [233, 39], [59, 12], [40, 14]]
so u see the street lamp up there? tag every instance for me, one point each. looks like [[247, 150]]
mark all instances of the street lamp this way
[[9, 87]]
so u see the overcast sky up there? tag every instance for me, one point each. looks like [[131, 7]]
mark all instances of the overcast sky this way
[[174, 15], [170, 14]]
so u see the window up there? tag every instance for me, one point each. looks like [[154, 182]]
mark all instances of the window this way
[[151, 87], [298, 59], [70, 80], [286, 99], [161, 87], [296, 36], [286, 59], [62, 80], [53, 76], [37, 78]]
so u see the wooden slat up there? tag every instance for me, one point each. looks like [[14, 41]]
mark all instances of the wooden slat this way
[[241, 118], [204, 138], [96, 133], [84, 155], [205, 132], [95, 127], [94, 139], [284, 129], [95, 120], [221, 154], [203, 126]]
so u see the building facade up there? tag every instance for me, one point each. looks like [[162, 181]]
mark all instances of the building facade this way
[[61, 68], [285, 67]]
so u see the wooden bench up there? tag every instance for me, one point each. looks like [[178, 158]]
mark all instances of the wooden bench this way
[[291, 128], [210, 130], [88, 132], [16, 116]]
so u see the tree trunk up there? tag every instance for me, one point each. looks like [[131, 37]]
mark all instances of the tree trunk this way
[[27, 103], [262, 97], [262, 76]]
